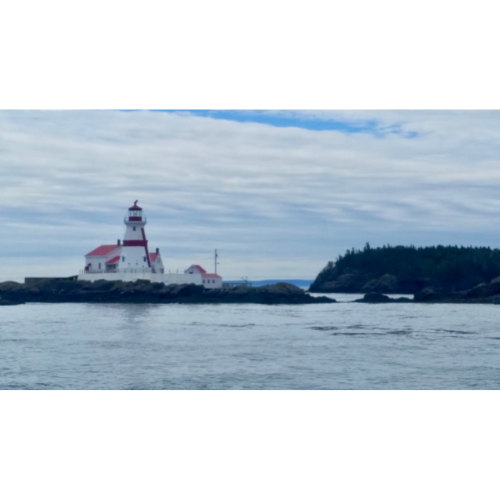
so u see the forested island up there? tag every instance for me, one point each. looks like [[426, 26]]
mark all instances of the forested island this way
[[438, 270]]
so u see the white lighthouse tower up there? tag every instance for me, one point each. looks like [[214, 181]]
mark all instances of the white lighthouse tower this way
[[134, 255]]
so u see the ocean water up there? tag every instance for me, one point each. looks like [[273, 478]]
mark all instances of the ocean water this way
[[322, 346]]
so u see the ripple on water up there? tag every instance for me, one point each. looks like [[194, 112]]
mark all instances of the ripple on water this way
[[324, 328], [461, 332], [362, 330], [249, 325]]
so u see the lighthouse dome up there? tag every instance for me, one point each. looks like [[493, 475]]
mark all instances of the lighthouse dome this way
[[135, 206]]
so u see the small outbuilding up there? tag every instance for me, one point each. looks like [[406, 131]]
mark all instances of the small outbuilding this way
[[209, 280]]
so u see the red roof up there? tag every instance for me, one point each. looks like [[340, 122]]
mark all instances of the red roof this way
[[113, 260], [153, 256], [135, 207], [202, 271], [102, 250], [205, 275]]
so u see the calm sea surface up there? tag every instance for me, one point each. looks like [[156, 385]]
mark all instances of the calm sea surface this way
[[323, 346]]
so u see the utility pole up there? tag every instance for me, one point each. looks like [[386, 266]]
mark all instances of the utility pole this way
[[215, 260]]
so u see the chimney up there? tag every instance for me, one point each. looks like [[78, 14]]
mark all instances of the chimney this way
[[118, 242]]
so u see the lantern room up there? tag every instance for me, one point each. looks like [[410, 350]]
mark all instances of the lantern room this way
[[135, 212]]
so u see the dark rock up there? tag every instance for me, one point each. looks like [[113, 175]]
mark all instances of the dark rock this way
[[370, 286], [427, 295], [35, 281], [101, 285], [357, 282], [279, 293], [412, 285], [283, 288], [480, 290], [142, 282], [387, 283], [346, 283], [485, 290], [10, 285], [5, 302], [378, 298], [374, 298]]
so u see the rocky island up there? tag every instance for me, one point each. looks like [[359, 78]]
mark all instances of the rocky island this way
[[431, 274], [143, 291], [409, 270]]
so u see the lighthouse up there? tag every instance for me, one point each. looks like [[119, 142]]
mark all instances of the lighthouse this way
[[134, 255], [130, 260]]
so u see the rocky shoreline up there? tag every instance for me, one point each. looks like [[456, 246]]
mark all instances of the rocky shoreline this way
[[143, 291], [422, 290], [357, 282], [484, 293], [429, 297]]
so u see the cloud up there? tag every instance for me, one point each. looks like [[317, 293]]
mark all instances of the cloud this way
[[276, 201]]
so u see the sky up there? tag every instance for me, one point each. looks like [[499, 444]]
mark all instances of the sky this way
[[278, 193]]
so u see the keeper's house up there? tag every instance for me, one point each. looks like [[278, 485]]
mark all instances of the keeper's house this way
[[105, 258]]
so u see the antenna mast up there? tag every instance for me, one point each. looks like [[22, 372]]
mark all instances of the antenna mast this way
[[215, 260]]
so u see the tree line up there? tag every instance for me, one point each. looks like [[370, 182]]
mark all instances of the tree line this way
[[447, 266]]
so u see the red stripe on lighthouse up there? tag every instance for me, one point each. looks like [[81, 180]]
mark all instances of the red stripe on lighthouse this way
[[146, 245], [135, 243]]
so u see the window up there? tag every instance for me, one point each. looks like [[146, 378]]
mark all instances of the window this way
[[144, 259], [123, 259], [99, 265], [213, 281], [203, 281], [134, 228]]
